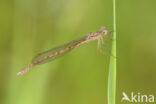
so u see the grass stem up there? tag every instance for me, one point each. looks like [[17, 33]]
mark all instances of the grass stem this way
[[112, 65]]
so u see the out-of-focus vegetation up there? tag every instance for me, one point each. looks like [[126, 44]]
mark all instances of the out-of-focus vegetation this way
[[28, 27]]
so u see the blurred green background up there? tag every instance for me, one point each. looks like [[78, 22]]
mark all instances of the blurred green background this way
[[28, 27]]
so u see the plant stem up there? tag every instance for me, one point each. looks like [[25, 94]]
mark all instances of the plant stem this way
[[112, 65]]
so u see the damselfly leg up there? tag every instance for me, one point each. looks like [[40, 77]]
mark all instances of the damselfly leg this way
[[104, 44]]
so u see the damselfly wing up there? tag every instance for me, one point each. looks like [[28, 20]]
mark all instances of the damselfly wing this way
[[55, 51]]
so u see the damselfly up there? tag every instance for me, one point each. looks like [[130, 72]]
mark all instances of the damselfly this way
[[60, 50]]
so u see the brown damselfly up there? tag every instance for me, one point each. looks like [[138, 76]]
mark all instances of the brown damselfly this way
[[60, 50]]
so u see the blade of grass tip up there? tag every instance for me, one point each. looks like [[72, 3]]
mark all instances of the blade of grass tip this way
[[112, 65]]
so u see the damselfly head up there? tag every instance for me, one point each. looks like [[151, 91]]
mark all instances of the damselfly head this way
[[103, 31], [96, 35]]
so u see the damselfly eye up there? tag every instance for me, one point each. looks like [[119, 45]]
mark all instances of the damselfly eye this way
[[104, 32]]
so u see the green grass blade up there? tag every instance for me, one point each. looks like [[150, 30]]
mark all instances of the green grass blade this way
[[112, 65]]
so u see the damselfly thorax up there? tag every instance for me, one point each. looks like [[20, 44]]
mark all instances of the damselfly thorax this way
[[61, 50]]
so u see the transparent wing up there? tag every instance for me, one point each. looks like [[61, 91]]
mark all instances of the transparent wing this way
[[54, 50]]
